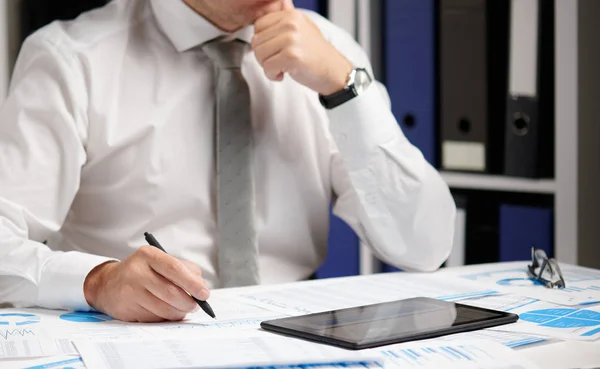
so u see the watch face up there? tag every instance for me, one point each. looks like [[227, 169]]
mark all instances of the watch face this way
[[362, 80]]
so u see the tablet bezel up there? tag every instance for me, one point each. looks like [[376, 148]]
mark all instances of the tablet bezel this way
[[280, 326]]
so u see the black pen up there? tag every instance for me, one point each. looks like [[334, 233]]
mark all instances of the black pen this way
[[203, 304]]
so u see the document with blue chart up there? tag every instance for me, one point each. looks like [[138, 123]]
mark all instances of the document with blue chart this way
[[56, 362], [22, 336], [544, 318], [457, 354], [582, 284], [522, 227]]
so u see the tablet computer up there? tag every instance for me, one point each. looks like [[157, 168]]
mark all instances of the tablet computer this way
[[391, 322]]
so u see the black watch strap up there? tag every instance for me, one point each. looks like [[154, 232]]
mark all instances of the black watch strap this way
[[338, 98]]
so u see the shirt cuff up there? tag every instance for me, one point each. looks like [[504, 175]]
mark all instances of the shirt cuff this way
[[361, 125], [61, 283]]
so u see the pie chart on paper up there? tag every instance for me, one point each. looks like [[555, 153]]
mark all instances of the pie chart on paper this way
[[85, 317], [562, 318]]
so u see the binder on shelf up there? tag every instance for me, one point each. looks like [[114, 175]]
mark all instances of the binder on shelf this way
[[318, 6], [529, 120], [522, 227], [463, 84], [482, 230], [386, 268], [342, 251], [409, 65], [38, 13], [473, 65]]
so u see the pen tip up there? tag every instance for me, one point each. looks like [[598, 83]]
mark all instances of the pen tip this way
[[146, 234]]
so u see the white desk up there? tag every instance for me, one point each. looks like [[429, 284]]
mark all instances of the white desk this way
[[551, 354]]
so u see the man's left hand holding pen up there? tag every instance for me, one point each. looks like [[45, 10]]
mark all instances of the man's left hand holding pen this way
[[148, 286]]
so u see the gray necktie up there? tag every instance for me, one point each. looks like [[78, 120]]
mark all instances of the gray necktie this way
[[238, 245]]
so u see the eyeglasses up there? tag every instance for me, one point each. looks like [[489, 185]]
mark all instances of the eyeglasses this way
[[545, 270]]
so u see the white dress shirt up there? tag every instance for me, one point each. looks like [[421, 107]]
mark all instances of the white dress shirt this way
[[108, 132]]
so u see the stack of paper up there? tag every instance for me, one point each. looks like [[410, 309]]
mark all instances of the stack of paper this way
[[572, 313], [334, 294], [457, 354], [582, 284], [228, 352], [235, 338], [282, 353]]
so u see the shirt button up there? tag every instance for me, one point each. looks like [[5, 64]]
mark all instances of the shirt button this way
[[342, 138]]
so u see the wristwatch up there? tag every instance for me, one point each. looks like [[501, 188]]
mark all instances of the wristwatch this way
[[358, 81]]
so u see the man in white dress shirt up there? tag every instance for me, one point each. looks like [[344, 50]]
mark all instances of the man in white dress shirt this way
[[109, 131]]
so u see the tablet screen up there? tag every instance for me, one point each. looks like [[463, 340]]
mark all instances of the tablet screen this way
[[387, 321]]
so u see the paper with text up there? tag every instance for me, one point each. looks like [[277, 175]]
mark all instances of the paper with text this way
[[508, 339], [215, 353], [31, 342], [334, 294]]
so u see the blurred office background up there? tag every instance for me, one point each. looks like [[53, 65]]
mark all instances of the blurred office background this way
[[502, 96]]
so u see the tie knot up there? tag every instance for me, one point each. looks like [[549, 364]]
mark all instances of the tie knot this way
[[225, 54]]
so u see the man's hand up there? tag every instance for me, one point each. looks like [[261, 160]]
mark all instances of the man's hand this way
[[289, 42], [148, 286]]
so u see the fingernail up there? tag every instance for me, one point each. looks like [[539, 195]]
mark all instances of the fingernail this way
[[205, 294]]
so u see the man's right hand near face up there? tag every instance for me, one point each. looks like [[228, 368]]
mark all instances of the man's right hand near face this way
[[148, 286]]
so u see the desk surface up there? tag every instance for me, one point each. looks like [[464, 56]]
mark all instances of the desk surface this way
[[456, 284]]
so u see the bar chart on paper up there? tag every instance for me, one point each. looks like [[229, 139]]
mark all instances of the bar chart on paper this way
[[545, 318], [457, 354]]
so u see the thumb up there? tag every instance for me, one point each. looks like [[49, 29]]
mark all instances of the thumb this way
[[287, 5]]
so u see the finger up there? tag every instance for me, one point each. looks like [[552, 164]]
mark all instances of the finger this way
[[268, 34], [193, 267], [268, 21], [275, 67], [170, 293], [176, 272], [272, 47], [145, 316], [160, 308], [287, 5]]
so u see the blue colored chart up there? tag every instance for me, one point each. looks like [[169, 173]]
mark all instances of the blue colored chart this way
[[562, 318], [6, 334], [18, 319], [85, 317], [63, 364], [519, 282]]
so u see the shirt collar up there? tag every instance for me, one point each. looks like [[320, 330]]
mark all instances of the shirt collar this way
[[187, 29]]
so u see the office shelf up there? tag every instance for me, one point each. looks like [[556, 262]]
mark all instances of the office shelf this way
[[487, 182]]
